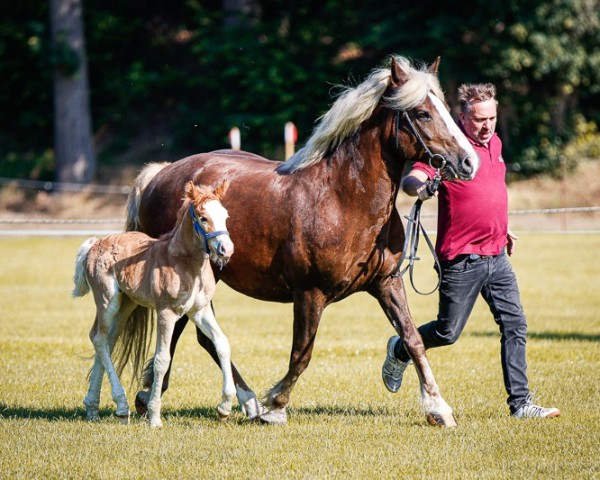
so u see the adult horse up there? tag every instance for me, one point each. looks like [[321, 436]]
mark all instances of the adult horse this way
[[323, 225]]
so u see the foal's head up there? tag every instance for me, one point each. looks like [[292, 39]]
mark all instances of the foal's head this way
[[209, 220]]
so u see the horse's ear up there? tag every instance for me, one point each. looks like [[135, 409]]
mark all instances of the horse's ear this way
[[221, 189], [433, 68], [189, 189], [398, 75]]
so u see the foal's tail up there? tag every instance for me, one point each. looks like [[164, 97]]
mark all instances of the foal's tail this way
[[137, 190], [133, 343], [81, 284]]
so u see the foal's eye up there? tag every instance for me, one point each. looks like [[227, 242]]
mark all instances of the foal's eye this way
[[203, 219]]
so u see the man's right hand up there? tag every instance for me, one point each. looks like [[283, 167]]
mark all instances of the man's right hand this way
[[425, 192]]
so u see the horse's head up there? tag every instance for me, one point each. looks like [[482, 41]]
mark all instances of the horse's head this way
[[209, 220], [423, 127]]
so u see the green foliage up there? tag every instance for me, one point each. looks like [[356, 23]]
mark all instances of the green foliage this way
[[178, 76]]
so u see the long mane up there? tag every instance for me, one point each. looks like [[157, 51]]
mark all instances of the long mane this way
[[355, 105]]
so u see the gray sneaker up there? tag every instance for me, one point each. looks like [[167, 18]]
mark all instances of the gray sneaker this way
[[393, 369], [529, 410]]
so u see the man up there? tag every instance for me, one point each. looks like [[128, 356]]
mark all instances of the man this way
[[473, 241]]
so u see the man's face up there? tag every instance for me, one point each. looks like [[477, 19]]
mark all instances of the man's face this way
[[480, 122]]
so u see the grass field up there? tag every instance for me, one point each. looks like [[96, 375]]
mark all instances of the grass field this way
[[342, 421]]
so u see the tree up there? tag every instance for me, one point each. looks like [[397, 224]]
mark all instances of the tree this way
[[73, 142]]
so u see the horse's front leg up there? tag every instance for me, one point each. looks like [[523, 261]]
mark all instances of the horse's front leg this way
[[207, 323], [391, 295], [250, 405], [143, 396], [308, 308], [162, 359]]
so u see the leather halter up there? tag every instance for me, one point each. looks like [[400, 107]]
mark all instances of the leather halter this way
[[415, 132], [201, 233]]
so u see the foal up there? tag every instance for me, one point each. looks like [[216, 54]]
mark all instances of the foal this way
[[172, 275]]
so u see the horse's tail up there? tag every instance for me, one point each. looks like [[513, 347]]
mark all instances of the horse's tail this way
[[137, 190], [133, 343], [81, 284]]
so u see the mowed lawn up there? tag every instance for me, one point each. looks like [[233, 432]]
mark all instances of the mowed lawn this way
[[342, 421]]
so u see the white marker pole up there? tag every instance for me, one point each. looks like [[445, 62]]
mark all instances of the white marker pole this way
[[290, 136], [235, 138]]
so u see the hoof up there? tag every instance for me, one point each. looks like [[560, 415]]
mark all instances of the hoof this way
[[156, 422], [141, 402], [223, 412], [437, 420], [276, 416], [253, 408]]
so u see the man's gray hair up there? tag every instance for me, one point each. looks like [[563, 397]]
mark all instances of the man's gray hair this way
[[470, 93]]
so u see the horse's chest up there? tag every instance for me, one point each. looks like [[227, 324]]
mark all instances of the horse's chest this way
[[182, 293]]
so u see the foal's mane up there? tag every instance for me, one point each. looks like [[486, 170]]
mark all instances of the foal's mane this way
[[355, 105]]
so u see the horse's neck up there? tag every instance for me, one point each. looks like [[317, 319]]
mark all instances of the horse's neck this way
[[184, 242]]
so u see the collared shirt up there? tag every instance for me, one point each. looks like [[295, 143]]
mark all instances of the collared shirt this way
[[473, 215]]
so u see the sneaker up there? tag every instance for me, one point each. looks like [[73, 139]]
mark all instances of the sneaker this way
[[393, 369], [529, 410]]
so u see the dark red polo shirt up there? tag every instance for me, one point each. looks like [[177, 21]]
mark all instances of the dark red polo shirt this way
[[473, 215]]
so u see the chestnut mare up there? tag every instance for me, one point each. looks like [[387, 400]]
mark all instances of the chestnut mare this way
[[323, 225], [131, 271]]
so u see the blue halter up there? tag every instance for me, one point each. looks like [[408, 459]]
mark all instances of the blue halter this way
[[202, 235]]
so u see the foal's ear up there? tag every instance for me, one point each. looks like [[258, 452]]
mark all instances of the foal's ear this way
[[433, 68], [399, 77], [221, 189]]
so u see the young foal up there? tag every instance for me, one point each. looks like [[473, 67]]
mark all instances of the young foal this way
[[172, 275]]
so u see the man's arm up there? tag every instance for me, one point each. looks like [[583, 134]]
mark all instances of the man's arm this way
[[415, 185]]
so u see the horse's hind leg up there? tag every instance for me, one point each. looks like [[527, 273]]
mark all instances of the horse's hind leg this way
[[308, 308], [92, 399], [206, 321]]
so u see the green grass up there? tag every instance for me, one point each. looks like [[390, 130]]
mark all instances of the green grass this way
[[342, 421]]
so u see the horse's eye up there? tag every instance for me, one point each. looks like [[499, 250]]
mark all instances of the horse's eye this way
[[203, 219], [423, 115]]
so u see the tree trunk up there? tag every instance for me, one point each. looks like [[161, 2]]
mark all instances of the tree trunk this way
[[73, 142]]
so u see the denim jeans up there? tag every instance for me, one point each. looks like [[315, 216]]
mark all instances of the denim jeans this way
[[463, 279]]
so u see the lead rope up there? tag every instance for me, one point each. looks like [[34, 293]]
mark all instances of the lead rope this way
[[411, 241]]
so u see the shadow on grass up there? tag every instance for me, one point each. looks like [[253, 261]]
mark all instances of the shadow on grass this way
[[208, 413], [567, 336]]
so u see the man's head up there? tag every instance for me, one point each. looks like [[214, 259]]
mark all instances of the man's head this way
[[478, 110]]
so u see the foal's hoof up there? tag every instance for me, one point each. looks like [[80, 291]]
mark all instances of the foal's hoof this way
[[277, 416], [437, 420], [223, 412], [253, 408], [141, 402]]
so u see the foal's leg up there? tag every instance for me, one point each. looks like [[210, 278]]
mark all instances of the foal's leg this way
[[205, 320], [162, 358], [92, 399], [392, 297], [308, 308], [109, 313]]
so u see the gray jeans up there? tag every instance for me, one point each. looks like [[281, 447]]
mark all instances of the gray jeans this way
[[463, 279]]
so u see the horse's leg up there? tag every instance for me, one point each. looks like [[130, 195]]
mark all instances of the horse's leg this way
[[392, 297], [205, 320], [250, 405], [308, 308], [162, 359], [108, 313], [92, 399], [143, 396]]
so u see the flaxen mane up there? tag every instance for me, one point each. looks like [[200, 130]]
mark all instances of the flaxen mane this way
[[355, 105]]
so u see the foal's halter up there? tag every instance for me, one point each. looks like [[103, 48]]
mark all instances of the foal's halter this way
[[201, 233]]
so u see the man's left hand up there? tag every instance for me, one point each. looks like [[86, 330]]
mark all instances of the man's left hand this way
[[510, 245]]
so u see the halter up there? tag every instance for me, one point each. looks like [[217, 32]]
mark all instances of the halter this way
[[414, 226], [201, 233], [420, 139]]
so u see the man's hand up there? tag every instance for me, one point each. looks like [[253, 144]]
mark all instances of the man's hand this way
[[424, 192], [510, 246]]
